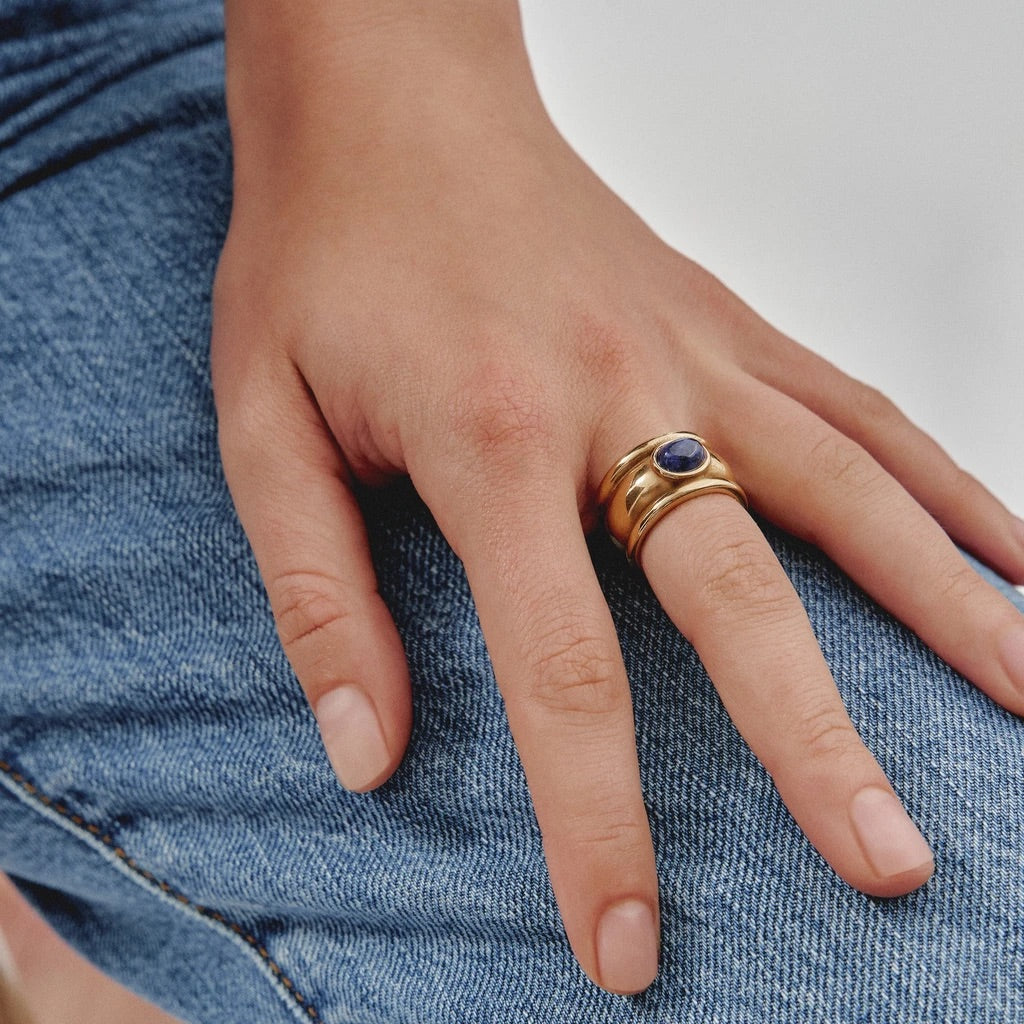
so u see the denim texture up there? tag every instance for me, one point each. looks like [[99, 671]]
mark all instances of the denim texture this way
[[164, 797]]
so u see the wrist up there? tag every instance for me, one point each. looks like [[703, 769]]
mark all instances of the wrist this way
[[306, 78]]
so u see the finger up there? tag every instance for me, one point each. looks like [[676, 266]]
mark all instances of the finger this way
[[968, 512], [557, 662], [826, 488], [720, 583], [288, 482]]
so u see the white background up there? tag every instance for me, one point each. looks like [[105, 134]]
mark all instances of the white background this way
[[854, 171]]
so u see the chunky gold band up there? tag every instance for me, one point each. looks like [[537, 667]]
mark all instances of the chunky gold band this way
[[655, 477]]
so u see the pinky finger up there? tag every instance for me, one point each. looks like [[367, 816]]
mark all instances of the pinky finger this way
[[967, 511]]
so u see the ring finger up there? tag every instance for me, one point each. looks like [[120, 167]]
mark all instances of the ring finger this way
[[719, 581]]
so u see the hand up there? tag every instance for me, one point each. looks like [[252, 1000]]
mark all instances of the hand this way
[[431, 282]]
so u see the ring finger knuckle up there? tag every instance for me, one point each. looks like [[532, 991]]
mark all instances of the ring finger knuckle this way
[[742, 571]]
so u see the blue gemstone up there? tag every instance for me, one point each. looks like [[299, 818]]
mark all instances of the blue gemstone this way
[[683, 455]]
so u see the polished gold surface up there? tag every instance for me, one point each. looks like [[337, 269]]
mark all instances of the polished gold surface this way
[[635, 493]]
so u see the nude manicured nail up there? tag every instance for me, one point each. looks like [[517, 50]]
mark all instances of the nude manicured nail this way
[[1011, 654], [627, 947], [889, 839], [352, 736]]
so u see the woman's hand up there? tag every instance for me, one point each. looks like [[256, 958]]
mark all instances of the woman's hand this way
[[421, 277]]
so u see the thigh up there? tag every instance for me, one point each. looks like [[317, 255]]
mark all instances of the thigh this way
[[164, 798]]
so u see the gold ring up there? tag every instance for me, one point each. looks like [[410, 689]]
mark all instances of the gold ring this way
[[655, 477]]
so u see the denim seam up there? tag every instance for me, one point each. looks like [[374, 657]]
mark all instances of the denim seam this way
[[94, 836]]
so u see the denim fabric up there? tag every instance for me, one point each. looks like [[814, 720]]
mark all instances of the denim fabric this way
[[164, 798]]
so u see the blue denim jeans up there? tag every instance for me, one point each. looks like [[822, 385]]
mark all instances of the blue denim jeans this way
[[164, 797]]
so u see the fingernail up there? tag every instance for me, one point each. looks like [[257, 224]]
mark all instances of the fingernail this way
[[627, 947], [1011, 654], [352, 736], [889, 839]]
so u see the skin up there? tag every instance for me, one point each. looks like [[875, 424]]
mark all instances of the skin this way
[[421, 277], [52, 984]]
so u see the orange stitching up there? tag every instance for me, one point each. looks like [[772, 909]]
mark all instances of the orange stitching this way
[[133, 865]]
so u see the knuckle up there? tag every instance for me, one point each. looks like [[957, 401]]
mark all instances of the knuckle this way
[[599, 832], [608, 352], [741, 571], [701, 290], [306, 604], [874, 407], [501, 414], [963, 491], [825, 733], [961, 585], [575, 675], [843, 463]]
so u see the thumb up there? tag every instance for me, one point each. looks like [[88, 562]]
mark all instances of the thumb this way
[[290, 486]]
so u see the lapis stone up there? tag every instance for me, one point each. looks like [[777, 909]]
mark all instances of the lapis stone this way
[[684, 455]]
